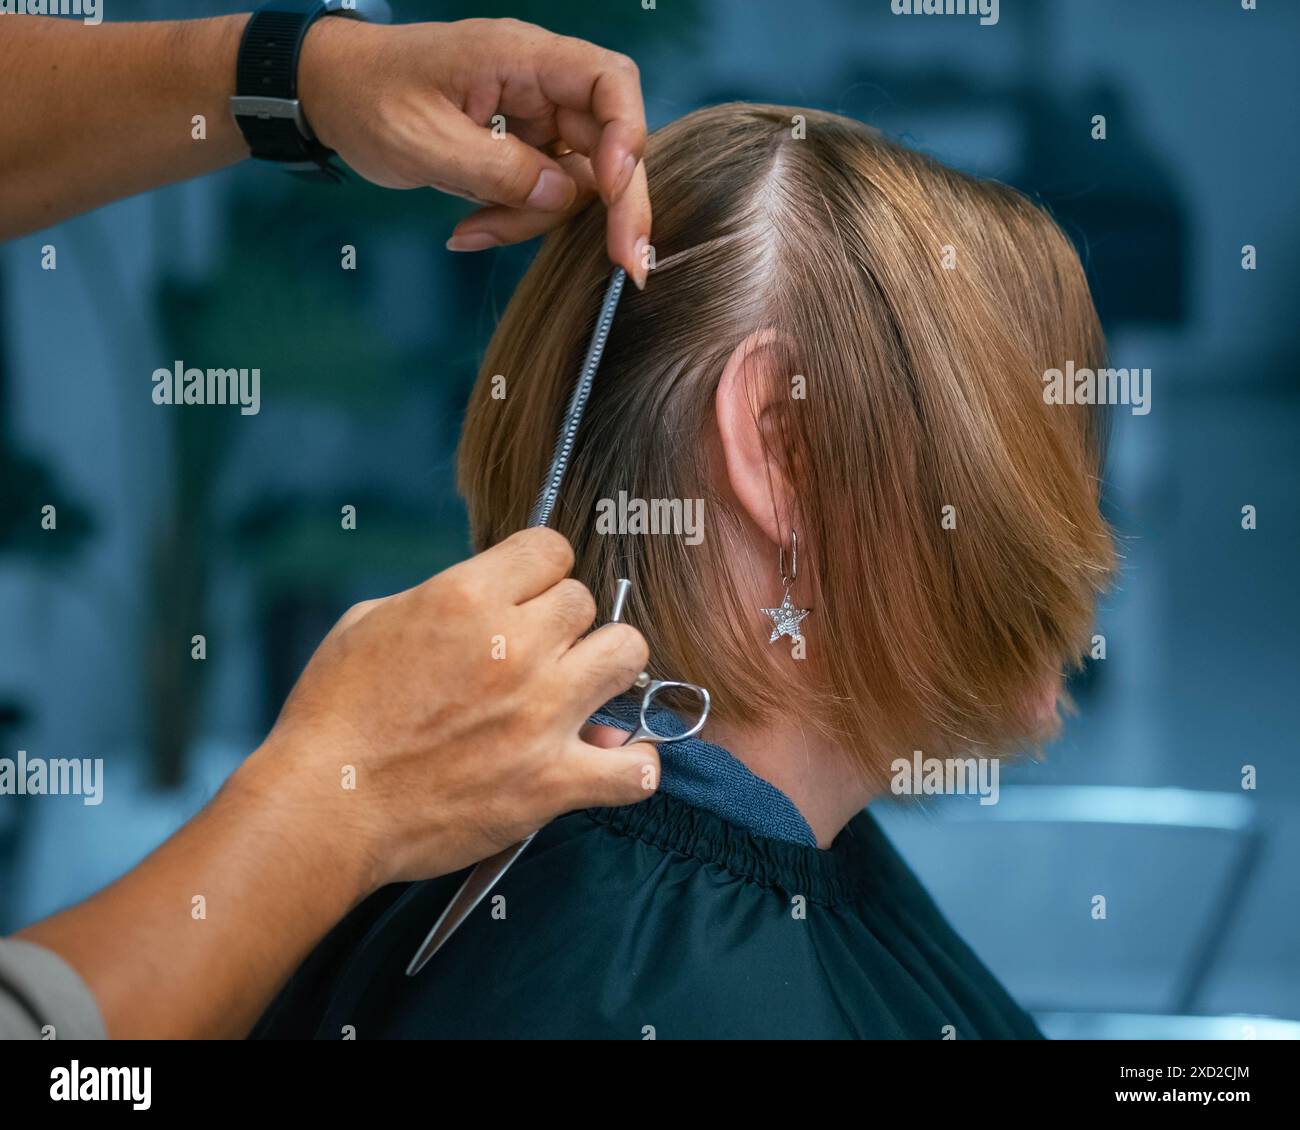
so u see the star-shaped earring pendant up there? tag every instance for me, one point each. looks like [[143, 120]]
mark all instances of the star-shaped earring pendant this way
[[786, 619]]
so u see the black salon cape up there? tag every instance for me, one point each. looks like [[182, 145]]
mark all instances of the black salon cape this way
[[659, 920]]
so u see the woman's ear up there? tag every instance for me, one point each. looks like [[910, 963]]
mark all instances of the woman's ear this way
[[747, 408]]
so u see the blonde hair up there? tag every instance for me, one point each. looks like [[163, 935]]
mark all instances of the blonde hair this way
[[921, 306]]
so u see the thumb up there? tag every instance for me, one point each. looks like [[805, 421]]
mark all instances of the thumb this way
[[607, 778], [499, 169]]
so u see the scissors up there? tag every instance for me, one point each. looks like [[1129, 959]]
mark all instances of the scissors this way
[[488, 873]]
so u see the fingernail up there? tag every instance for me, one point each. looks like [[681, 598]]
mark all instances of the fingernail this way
[[639, 257], [551, 192], [624, 175], [472, 241]]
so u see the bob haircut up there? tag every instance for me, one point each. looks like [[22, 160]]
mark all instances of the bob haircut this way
[[921, 308]]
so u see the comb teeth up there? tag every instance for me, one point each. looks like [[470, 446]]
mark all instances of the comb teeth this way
[[545, 505]]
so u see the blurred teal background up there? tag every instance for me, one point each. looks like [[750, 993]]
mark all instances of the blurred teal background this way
[[174, 522]]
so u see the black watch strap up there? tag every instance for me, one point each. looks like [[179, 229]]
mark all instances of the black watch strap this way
[[266, 105]]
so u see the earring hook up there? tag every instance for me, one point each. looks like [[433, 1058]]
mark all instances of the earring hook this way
[[788, 580]]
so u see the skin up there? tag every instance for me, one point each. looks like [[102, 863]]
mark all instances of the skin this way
[[820, 776], [108, 113], [454, 755]]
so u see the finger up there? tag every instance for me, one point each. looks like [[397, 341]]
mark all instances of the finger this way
[[499, 168], [602, 737], [578, 129], [603, 665], [628, 229], [498, 226], [521, 567], [564, 612], [578, 75], [607, 778], [628, 222], [537, 130]]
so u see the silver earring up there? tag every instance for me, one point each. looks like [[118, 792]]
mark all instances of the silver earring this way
[[787, 618]]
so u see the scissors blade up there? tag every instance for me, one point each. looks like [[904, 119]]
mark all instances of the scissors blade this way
[[472, 892]]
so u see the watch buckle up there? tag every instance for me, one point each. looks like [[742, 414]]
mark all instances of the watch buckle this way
[[253, 106]]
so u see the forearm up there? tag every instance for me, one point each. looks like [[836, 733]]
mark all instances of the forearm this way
[[108, 111], [397, 757], [197, 940]]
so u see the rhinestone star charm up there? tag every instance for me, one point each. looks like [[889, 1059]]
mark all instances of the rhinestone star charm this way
[[786, 619]]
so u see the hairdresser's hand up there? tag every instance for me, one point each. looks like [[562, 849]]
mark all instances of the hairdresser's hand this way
[[413, 105], [457, 705], [406, 106], [450, 755]]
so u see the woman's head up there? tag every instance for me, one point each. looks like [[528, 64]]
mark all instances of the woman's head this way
[[843, 338]]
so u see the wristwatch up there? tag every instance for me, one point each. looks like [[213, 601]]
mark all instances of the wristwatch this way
[[265, 104]]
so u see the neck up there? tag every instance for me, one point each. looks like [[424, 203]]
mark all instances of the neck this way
[[820, 778]]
